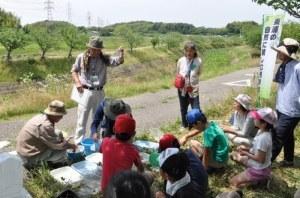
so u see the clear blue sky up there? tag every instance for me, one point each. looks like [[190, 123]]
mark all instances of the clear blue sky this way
[[209, 13]]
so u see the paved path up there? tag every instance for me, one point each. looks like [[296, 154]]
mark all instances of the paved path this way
[[152, 110]]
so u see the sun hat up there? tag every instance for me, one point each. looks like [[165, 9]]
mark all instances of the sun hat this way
[[244, 100], [124, 124], [193, 116], [163, 156], [95, 42], [55, 108], [288, 47], [167, 141], [114, 107], [267, 114]]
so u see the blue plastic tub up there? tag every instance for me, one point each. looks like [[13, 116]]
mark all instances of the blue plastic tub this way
[[90, 146], [77, 155]]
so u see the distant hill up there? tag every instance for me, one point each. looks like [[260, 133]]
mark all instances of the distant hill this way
[[7, 19], [53, 26]]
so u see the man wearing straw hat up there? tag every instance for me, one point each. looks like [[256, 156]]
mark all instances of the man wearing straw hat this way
[[38, 141], [288, 100], [89, 76]]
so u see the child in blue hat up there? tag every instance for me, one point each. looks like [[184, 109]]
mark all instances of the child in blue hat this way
[[214, 151]]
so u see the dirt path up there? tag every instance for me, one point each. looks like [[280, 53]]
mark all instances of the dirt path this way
[[151, 110]]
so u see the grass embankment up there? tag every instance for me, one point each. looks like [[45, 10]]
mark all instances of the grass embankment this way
[[283, 185], [140, 74]]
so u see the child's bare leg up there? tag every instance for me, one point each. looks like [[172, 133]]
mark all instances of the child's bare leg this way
[[196, 147], [240, 180]]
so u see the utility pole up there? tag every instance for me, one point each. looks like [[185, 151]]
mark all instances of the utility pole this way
[[69, 12], [49, 7], [89, 18]]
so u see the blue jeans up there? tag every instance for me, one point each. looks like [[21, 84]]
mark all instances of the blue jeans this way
[[283, 136], [184, 102]]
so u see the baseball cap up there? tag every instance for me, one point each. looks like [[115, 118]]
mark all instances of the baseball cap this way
[[267, 114], [163, 156], [124, 124], [166, 141], [193, 116]]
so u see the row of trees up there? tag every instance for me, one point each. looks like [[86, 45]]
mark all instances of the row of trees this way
[[14, 38]]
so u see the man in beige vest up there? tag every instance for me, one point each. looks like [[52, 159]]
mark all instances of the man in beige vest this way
[[38, 141]]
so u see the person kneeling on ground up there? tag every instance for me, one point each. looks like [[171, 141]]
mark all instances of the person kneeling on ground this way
[[243, 129], [105, 116], [119, 154], [214, 152], [38, 141], [128, 184], [258, 157], [173, 168], [195, 169]]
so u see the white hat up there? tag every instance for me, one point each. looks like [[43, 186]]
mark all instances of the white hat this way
[[267, 114], [244, 100], [288, 47], [163, 156]]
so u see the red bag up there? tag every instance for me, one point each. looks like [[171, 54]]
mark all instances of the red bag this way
[[179, 81]]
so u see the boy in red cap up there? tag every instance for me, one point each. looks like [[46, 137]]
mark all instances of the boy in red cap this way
[[195, 169], [119, 153]]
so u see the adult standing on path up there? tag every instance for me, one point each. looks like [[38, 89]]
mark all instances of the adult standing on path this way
[[188, 71], [89, 74], [288, 101]]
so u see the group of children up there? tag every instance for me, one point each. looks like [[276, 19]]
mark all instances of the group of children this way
[[185, 171]]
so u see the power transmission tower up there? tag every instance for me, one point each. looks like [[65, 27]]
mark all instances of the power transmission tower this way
[[49, 7], [89, 19], [69, 12]]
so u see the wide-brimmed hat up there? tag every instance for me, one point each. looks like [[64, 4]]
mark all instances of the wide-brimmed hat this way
[[244, 100], [267, 114], [288, 47], [114, 107], [56, 108], [95, 42]]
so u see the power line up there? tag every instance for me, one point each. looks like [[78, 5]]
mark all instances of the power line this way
[[89, 18], [69, 12], [49, 7]]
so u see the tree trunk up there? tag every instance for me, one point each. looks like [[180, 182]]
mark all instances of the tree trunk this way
[[43, 55], [8, 56], [70, 52]]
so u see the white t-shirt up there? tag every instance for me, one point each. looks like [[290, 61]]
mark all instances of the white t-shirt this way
[[262, 142], [183, 67]]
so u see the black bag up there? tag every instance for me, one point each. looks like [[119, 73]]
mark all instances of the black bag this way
[[67, 194]]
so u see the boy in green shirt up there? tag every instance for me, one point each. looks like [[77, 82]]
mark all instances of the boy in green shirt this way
[[214, 151]]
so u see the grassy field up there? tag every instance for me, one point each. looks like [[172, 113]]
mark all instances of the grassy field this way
[[283, 184], [148, 72]]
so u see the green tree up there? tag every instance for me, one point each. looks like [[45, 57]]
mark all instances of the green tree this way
[[44, 40], [291, 30], [133, 39], [73, 38], [12, 39], [290, 6], [253, 36], [155, 41], [173, 40], [8, 20]]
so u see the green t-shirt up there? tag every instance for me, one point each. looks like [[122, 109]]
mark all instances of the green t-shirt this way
[[216, 140]]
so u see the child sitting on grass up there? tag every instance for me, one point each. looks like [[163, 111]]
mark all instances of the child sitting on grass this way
[[195, 169], [119, 154], [214, 151], [173, 168], [258, 157]]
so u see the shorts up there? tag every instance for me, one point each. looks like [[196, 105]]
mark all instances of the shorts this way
[[258, 174]]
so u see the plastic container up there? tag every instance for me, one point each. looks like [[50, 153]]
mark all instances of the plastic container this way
[[146, 146], [77, 155], [88, 169], [96, 158], [66, 175], [153, 159], [90, 146]]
